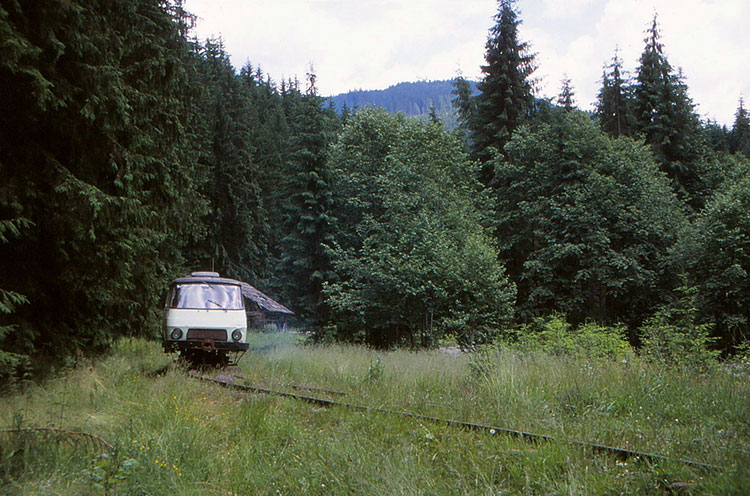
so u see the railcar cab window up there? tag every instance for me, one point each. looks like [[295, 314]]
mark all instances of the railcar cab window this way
[[205, 296]]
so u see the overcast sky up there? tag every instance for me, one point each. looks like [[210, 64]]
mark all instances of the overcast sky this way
[[372, 44]]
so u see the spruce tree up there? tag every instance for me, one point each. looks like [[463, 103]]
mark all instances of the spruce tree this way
[[664, 113], [565, 99], [463, 101], [307, 218], [237, 223], [739, 140], [613, 102], [505, 97], [269, 136], [95, 153], [717, 137]]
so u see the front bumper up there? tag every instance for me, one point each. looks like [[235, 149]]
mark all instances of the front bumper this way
[[205, 345]]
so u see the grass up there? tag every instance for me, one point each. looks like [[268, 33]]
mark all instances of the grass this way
[[174, 435]]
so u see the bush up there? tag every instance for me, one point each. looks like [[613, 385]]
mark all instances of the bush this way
[[673, 337], [554, 335], [742, 354]]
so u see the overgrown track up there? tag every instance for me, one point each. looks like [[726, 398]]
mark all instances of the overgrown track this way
[[305, 388], [74, 439], [620, 453]]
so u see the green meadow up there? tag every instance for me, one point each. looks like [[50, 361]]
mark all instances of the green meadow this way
[[171, 434]]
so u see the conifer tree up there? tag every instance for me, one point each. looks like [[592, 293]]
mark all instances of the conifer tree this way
[[463, 101], [96, 154], [307, 222], [613, 102], [505, 97], [717, 137], [237, 224], [740, 137], [269, 136], [565, 99], [664, 113]]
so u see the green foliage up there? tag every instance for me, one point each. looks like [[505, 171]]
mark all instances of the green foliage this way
[[237, 225], [12, 365], [664, 115], [99, 161], [411, 257], [716, 253], [739, 138], [565, 99], [110, 469], [555, 336], [741, 355], [376, 370], [674, 337], [584, 222], [308, 211], [614, 102], [464, 102], [505, 93]]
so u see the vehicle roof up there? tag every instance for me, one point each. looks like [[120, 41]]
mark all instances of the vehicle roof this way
[[202, 279]]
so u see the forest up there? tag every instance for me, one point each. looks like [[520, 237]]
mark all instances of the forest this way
[[421, 98], [132, 153]]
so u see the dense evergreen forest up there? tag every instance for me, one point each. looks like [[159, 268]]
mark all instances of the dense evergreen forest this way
[[131, 153]]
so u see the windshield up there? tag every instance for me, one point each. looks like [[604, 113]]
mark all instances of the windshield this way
[[204, 296]]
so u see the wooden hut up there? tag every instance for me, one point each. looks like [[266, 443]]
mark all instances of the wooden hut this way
[[262, 310]]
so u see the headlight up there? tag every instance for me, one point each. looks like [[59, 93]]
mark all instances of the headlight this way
[[177, 334], [237, 335]]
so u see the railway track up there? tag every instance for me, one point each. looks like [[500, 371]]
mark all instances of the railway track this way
[[620, 453]]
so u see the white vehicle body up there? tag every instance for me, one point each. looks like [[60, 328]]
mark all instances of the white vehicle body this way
[[205, 313]]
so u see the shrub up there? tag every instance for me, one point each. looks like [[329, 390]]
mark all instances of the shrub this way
[[673, 337], [554, 335]]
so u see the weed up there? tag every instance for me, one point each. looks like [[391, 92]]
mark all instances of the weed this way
[[376, 370]]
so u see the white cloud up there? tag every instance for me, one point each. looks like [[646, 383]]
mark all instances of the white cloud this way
[[705, 38], [565, 8], [375, 43]]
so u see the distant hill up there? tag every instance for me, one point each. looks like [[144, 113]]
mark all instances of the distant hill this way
[[413, 99]]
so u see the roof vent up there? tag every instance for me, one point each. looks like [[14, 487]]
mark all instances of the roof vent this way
[[204, 274]]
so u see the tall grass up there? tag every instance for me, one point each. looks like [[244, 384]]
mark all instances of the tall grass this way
[[174, 435]]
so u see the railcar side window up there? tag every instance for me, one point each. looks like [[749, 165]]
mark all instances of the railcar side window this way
[[206, 297]]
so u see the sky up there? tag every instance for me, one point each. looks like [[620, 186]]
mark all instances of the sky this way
[[372, 44]]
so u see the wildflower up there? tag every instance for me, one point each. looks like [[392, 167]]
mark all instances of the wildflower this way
[[492, 431]]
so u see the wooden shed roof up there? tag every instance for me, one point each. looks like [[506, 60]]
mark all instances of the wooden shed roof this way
[[263, 301]]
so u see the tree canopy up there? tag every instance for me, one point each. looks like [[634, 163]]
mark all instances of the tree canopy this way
[[584, 221], [412, 260]]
